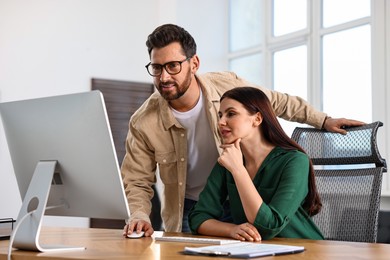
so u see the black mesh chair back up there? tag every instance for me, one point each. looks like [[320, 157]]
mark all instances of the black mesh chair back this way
[[348, 170]]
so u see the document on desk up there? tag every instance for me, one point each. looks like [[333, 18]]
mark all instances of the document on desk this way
[[244, 250]]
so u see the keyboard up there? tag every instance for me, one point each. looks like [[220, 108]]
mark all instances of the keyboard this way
[[197, 240]]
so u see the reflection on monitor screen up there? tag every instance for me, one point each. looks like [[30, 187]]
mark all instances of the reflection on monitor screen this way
[[64, 160]]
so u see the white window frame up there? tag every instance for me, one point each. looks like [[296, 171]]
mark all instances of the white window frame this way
[[311, 36]]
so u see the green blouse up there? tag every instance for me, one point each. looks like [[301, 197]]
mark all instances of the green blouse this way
[[282, 182]]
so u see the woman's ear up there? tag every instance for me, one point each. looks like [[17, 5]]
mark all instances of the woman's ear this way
[[258, 119]]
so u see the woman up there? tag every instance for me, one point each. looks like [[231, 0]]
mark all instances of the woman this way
[[267, 177]]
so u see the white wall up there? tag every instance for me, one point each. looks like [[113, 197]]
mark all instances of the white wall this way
[[52, 47]]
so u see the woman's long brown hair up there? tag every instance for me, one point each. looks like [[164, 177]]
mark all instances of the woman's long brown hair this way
[[254, 100]]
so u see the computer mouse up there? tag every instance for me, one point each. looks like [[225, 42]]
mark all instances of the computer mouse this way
[[135, 234]]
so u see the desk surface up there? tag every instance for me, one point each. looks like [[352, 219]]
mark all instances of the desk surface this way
[[109, 244]]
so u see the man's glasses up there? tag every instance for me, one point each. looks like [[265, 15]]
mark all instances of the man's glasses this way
[[172, 67]]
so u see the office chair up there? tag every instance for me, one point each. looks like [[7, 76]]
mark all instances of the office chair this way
[[348, 173]]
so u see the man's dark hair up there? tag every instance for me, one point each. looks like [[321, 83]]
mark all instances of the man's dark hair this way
[[169, 33]]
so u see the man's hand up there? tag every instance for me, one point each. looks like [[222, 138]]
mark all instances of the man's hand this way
[[137, 226], [336, 124]]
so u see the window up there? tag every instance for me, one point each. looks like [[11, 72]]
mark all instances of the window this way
[[347, 71], [337, 12], [329, 52], [290, 71], [312, 49], [289, 16], [246, 34]]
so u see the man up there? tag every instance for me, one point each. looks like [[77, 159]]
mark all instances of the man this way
[[176, 129]]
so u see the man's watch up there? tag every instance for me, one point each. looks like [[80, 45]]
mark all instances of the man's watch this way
[[323, 124]]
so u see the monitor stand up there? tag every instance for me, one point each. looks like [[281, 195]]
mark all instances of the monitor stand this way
[[28, 223]]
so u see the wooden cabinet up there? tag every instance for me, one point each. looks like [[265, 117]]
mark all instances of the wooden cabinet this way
[[122, 99]]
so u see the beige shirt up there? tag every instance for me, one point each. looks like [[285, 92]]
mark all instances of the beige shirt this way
[[156, 139]]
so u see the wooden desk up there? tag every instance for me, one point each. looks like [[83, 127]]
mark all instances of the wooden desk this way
[[109, 244]]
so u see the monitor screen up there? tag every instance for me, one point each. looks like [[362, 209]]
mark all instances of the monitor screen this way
[[62, 146]]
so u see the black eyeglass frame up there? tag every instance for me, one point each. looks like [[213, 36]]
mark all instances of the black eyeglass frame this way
[[163, 66]]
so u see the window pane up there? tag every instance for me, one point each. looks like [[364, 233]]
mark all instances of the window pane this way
[[290, 76], [341, 11], [290, 71], [249, 68], [245, 24], [289, 16], [347, 74]]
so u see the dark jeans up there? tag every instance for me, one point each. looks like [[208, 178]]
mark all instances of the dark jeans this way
[[188, 204]]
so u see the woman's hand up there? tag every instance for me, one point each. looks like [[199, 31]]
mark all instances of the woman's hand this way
[[231, 157], [245, 232]]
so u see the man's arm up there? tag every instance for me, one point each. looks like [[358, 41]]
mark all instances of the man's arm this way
[[337, 124], [138, 174], [296, 109], [293, 108]]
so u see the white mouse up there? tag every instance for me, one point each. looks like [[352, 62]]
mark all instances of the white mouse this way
[[135, 234]]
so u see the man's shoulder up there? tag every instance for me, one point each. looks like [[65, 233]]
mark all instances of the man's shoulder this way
[[148, 109], [218, 76], [220, 82]]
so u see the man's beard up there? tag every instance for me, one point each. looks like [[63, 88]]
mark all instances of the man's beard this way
[[180, 90]]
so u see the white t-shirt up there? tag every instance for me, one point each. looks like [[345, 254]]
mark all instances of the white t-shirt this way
[[202, 152]]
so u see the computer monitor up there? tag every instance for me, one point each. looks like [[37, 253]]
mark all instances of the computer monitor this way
[[64, 161]]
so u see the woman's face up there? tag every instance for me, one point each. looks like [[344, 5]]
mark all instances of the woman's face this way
[[235, 121]]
